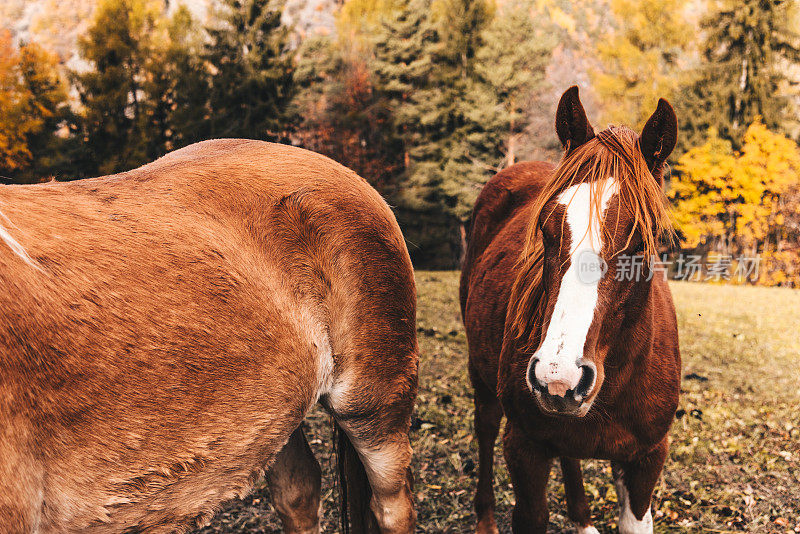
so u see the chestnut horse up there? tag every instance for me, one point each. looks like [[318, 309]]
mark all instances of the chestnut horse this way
[[581, 358], [164, 331]]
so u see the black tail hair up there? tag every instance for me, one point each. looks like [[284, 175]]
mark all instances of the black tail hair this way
[[355, 492]]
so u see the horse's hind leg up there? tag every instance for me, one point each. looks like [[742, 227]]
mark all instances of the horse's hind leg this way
[[372, 408], [21, 483], [577, 505], [386, 459], [374, 383], [635, 482], [294, 483], [488, 414]]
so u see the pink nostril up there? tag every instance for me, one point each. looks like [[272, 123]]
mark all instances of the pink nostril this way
[[557, 388]]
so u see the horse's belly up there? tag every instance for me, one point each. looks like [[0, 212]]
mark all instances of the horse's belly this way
[[167, 481], [159, 447]]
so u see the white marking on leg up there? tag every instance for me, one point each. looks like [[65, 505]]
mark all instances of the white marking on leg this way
[[628, 524], [385, 462], [577, 298], [385, 465], [393, 511], [589, 529]]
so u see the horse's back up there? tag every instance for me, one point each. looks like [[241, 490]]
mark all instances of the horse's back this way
[[497, 231], [177, 323], [501, 198]]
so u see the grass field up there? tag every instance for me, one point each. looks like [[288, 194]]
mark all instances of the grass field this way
[[734, 462]]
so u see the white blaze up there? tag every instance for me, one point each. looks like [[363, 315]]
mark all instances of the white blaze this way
[[577, 294]]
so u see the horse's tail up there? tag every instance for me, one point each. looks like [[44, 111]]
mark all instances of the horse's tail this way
[[354, 489]]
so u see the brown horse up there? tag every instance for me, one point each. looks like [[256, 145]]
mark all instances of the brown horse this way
[[164, 331], [582, 358]]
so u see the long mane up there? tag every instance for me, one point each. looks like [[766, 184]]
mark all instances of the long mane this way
[[614, 152]]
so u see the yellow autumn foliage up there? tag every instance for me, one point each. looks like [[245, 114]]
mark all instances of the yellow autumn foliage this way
[[743, 202], [729, 199], [780, 268], [16, 123], [31, 92], [357, 17], [640, 58]]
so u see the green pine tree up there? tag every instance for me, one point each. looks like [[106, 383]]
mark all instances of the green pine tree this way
[[177, 85], [148, 91], [252, 82], [117, 45], [511, 65], [458, 77], [748, 50], [425, 62]]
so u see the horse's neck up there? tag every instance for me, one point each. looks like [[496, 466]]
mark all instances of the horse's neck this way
[[632, 345]]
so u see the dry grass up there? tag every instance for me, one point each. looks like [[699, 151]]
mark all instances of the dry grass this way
[[734, 464]]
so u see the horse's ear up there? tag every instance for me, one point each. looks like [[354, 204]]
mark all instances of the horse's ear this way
[[572, 126], [659, 135]]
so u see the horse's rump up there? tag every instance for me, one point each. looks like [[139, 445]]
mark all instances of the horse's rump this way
[[180, 320]]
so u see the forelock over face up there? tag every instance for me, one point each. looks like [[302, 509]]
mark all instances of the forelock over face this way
[[601, 204], [559, 366], [584, 217]]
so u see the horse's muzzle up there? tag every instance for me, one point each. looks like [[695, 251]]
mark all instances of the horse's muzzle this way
[[557, 397]]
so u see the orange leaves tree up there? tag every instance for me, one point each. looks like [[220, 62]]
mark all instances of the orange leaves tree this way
[[14, 100], [31, 98]]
